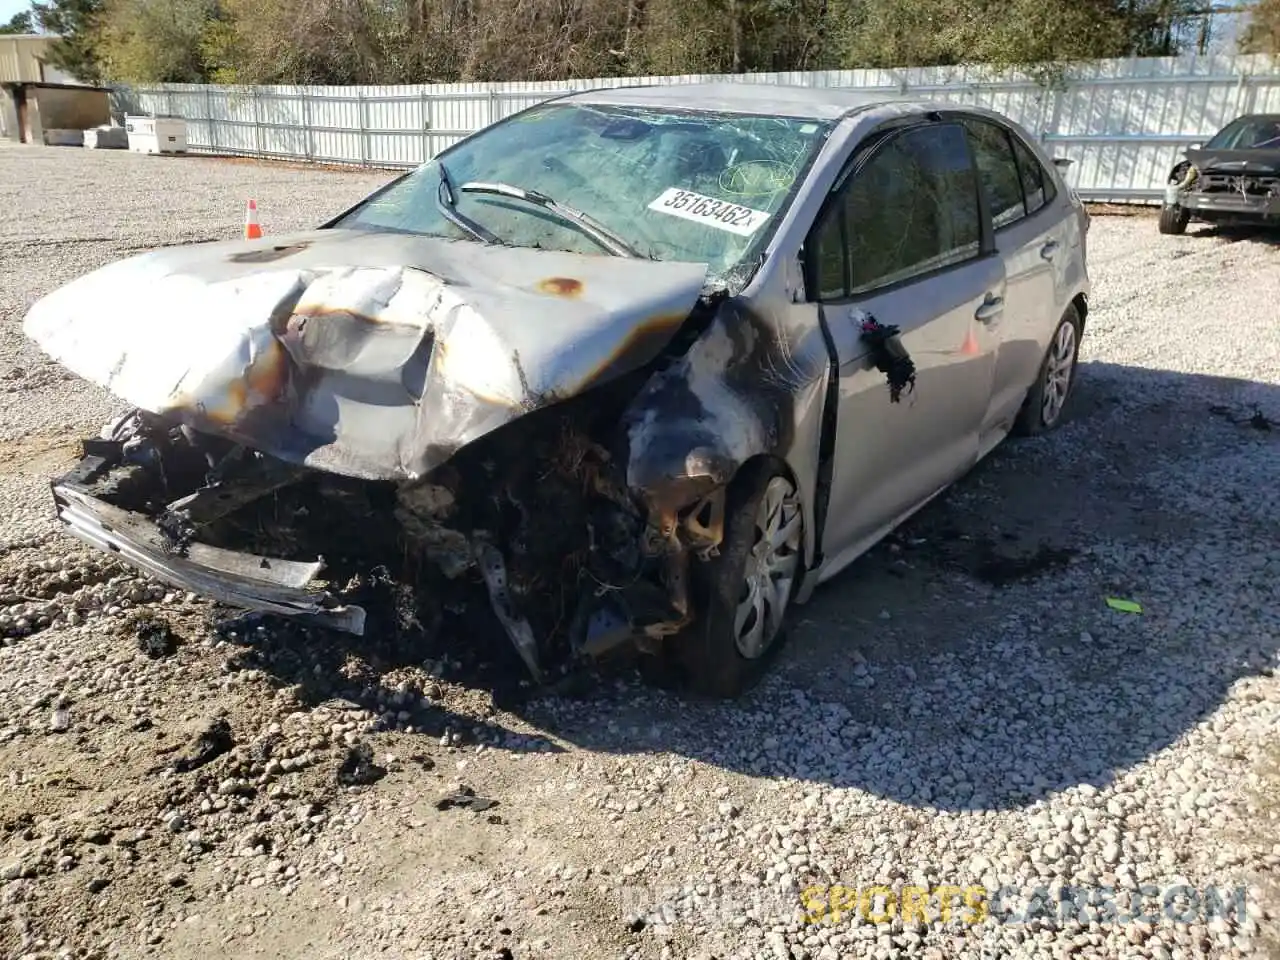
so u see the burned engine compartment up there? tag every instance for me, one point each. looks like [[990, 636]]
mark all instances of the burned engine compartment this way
[[534, 521]]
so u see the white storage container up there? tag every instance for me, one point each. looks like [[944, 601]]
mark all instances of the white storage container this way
[[156, 134], [106, 138]]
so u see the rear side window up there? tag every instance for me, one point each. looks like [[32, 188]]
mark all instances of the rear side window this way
[[998, 171], [1037, 186], [910, 209]]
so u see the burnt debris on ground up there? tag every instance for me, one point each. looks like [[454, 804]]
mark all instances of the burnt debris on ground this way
[[997, 559], [464, 797], [1257, 420], [156, 637], [1000, 567], [212, 743], [358, 767]]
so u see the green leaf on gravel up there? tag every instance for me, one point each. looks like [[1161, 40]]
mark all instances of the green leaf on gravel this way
[[1124, 606]]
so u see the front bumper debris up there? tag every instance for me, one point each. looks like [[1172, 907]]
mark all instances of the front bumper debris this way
[[573, 564], [1232, 205], [244, 580]]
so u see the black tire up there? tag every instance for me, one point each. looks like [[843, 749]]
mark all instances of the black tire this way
[[1174, 220], [707, 652], [1034, 417]]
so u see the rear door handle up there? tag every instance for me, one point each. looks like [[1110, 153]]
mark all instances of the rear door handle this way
[[1049, 249], [991, 308]]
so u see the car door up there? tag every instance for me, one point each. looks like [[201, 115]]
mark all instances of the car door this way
[[1030, 237], [903, 237]]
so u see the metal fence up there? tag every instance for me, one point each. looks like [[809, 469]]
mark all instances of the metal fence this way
[[1123, 122]]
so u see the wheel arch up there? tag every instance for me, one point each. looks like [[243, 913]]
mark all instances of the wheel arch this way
[[778, 463], [775, 460]]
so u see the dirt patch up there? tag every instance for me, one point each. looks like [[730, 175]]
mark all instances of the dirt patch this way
[[1147, 210], [39, 456]]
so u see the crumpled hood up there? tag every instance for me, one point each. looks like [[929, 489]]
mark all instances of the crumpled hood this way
[[1253, 162], [374, 355]]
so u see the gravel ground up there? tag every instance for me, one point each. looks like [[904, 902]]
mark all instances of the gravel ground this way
[[960, 708]]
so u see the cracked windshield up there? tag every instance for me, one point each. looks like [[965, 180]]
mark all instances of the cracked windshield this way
[[671, 185]]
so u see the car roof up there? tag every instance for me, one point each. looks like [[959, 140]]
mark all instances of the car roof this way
[[814, 103]]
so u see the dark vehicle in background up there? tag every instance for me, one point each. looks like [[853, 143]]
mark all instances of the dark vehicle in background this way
[[1232, 179]]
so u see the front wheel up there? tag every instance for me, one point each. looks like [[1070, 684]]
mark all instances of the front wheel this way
[[1174, 220], [1047, 399], [742, 595]]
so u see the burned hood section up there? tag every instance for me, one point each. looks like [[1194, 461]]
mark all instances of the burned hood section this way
[[370, 355]]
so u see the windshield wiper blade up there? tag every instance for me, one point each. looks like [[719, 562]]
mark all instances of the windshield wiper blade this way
[[447, 201], [588, 225]]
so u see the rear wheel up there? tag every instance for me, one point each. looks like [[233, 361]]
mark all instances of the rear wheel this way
[[1174, 219], [742, 595], [1047, 400]]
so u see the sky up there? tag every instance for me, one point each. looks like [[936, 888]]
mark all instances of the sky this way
[[9, 7]]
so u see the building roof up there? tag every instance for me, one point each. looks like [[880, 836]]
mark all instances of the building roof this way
[[20, 56], [41, 85]]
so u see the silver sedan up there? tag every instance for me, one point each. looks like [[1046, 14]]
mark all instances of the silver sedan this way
[[638, 367]]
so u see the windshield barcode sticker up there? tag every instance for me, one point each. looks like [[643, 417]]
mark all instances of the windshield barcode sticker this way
[[709, 211]]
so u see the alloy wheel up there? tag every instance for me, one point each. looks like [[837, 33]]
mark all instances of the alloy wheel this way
[[771, 568], [1059, 369]]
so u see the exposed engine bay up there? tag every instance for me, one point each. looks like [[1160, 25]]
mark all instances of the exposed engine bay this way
[[535, 519]]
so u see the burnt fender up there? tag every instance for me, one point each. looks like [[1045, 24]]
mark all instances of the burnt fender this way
[[736, 394]]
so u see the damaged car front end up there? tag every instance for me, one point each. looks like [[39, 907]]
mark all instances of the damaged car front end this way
[[1234, 179], [374, 416], [538, 421]]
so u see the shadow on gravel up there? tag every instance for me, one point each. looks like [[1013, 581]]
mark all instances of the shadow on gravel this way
[[970, 661], [1234, 234]]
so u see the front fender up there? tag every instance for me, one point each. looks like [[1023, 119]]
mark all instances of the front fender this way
[[749, 386], [1181, 178]]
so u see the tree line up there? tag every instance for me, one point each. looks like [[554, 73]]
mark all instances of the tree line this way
[[417, 41]]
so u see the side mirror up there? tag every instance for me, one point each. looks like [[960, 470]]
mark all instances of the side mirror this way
[[1062, 162], [1195, 146]]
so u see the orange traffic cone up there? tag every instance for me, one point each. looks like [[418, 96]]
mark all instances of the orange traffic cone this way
[[970, 346], [252, 230]]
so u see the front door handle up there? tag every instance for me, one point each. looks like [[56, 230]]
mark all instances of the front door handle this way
[[991, 308], [1049, 249]]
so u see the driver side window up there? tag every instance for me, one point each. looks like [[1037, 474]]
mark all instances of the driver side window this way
[[910, 209]]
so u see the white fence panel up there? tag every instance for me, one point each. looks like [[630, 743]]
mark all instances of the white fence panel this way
[[1123, 122]]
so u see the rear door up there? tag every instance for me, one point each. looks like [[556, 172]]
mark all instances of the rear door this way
[[903, 238], [1031, 238]]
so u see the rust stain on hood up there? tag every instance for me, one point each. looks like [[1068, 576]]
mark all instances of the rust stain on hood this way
[[561, 286], [368, 354]]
